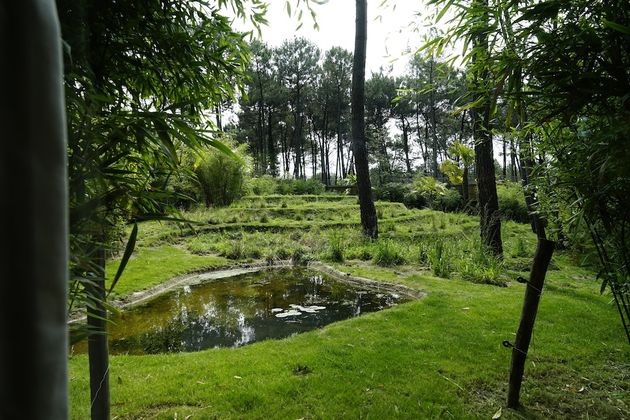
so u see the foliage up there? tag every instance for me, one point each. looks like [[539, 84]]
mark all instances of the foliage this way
[[336, 247], [131, 106], [292, 186], [429, 186], [262, 185], [450, 200], [414, 200], [392, 191], [452, 171], [440, 259], [481, 266], [388, 253], [512, 202], [221, 177]]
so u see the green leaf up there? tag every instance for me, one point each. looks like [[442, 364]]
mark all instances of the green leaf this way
[[617, 27], [131, 244], [444, 10], [468, 106]]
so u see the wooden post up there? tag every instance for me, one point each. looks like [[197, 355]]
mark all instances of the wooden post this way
[[98, 350], [544, 251], [33, 215]]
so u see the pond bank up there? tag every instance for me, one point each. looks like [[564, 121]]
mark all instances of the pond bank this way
[[143, 296]]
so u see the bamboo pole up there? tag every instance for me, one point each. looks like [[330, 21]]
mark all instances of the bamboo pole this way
[[535, 285]]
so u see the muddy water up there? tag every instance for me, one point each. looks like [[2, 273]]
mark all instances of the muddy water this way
[[239, 310]]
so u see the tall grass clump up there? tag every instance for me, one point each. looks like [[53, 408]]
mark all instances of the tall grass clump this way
[[481, 266], [440, 259], [388, 253], [336, 247]]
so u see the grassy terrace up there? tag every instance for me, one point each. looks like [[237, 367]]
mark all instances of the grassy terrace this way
[[440, 356]]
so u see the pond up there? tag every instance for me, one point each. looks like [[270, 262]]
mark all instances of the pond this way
[[234, 311]]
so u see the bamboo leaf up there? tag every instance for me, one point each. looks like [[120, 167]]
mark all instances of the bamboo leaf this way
[[131, 244], [616, 26], [444, 10]]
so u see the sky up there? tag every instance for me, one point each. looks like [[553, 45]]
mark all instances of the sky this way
[[393, 28]]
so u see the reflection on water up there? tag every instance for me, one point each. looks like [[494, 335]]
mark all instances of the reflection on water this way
[[240, 310]]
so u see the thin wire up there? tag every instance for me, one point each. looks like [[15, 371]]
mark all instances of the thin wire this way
[[100, 386]]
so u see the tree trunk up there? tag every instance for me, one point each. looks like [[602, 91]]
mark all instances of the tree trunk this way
[[368, 211], [504, 159], [33, 172], [271, 147], [533, 291], [465, 196], [405, 128], [513, 160], [433, 124], [490, 220]]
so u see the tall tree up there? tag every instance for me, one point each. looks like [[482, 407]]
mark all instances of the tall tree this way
[[490, 218], [380, 92], [366, 201], [337, 77], [298, 68], [403, 112]]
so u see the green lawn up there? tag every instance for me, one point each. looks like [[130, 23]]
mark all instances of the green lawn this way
[[440, 356]]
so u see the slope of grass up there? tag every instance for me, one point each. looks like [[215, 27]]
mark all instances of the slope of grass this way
[[437, 357]]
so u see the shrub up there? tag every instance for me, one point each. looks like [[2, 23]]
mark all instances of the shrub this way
[[235, 250], [429, 187], [512, 202], [449, 200], [392, 191], [299, 257], [221, 177], [284, 186], [388, 253], [263, 185], [186, 190], [414, 200], [307, 186], [299, 186]]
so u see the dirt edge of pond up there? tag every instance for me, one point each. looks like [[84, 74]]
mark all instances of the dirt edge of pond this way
[[142, 296]]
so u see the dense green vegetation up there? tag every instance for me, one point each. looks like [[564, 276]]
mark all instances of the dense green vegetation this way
[[146, 86], [440, 356]]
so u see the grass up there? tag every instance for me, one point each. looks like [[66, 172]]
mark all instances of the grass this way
[[152, 266], [440, 356]]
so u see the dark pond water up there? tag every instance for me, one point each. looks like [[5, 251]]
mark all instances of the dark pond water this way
[[239, 310]]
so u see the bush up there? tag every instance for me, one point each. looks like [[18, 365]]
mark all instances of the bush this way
[[307, 186], [299, 186], [512, 202], [264, 185], [449, 200], [392, 191], [221, 177], [186, 190], [414, 200], [429, 187]]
